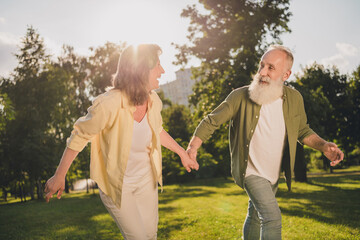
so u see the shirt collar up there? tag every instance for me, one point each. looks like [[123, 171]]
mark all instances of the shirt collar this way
[[284, 96], [125, 103]]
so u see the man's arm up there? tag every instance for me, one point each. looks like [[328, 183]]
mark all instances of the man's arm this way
[[221, 114], [193, 146], [330, 150]]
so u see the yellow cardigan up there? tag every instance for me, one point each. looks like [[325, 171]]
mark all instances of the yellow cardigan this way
[[109, 126]]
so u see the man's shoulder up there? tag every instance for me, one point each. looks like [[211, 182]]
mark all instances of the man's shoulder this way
[[291, 92], [241, 91]]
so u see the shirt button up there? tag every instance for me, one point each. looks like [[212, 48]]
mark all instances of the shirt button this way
[[245, 160], [256, 116], [252, 130], [247, 145]]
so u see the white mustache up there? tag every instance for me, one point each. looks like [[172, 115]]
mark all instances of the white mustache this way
[[264, 79]]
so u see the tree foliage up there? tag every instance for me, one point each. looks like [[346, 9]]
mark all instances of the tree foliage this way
[[40, 103], [229, 38], [28, 146], [102, 65], [353, 121], [328, 102]]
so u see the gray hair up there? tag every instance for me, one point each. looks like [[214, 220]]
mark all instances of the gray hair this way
[[284, 49], [132, 74]]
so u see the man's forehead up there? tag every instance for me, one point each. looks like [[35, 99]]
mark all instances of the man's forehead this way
[[273, 56]]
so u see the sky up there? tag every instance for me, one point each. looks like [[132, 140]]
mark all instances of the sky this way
[[325, 31]]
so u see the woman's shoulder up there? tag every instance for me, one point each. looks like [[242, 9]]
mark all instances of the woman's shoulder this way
[[112, 97], [154, 96]]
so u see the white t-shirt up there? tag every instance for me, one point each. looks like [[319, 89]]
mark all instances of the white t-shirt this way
[[139, 159], [267, 143]]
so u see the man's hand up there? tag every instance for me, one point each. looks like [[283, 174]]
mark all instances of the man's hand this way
[[192, 153], [189, 163], [193, 146], [333, 153], [330, 150], [53, 185]]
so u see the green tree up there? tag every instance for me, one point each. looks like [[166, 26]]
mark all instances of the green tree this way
[[29, 144], [71, 70], [176, 121], [229, 39], [354, 123], [102, 64], [354, 89], [327, 103], [7, 113]]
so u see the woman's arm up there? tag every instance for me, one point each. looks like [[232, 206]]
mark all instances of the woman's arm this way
[[57, 182], [84, 129], [168, 142]]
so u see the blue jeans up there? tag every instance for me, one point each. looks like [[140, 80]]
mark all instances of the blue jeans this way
[[263, 219]]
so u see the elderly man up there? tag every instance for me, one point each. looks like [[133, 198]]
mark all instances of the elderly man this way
[[266, 121]]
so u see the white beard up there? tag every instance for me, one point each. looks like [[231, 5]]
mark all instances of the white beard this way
[[265, 93]]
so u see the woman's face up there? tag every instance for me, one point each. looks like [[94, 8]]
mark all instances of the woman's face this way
[[154, 74]]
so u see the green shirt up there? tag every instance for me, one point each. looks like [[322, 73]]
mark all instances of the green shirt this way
[[243, 114]]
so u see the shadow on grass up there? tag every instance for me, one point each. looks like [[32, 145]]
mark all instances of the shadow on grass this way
[[175, 224], [200, 188], [169, 196], [330, 204], [73, 217]]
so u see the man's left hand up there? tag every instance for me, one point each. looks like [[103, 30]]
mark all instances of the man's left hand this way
[[333, 153]]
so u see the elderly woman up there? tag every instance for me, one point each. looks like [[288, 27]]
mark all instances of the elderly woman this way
[[124, 126]]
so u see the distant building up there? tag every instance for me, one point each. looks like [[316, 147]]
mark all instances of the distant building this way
[[179, 90]]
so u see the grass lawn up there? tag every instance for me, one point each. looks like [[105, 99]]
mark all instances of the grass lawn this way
[[327, 207]]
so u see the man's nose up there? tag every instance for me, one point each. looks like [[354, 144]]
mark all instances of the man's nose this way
[[263, 71]]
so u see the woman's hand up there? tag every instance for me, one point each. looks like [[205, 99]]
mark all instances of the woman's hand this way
[[57, 182], [188, 163], [168, 142], [54, 184]]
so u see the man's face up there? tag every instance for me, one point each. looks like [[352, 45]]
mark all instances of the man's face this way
[[274, 65]]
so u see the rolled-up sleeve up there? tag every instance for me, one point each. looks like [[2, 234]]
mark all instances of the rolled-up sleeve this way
[[86, 127], [223, 113], [304, 128]]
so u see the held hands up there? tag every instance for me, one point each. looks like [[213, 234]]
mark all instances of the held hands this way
[[192, 153], [189, 163], [333, 153], [53, 185]]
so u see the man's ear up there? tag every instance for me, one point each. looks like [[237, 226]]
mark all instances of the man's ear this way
[[286, 75]]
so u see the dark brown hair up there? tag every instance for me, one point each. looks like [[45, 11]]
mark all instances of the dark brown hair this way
[[132, 74]]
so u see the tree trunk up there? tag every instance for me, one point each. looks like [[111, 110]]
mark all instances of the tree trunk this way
[[24, 192], [66, 186], [39, 190], [326, 163], [32, 189], [4, 194], [21, 192], [300, 164]]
